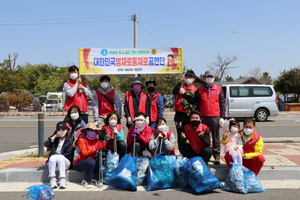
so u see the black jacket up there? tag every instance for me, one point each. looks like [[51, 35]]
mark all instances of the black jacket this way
[[66, 149]]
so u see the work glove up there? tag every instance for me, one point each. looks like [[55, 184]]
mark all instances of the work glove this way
[[147, 120], [181, 91], [129, 120], [135, 133]]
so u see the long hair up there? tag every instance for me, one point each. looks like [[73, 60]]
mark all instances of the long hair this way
[[68, 116]]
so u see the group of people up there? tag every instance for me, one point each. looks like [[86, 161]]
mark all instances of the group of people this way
[[76, 142]]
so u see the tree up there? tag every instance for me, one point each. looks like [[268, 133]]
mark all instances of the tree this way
[[266, 79], [228, 78], [255, 72], [11, 76], [288, 82], [221, 66]]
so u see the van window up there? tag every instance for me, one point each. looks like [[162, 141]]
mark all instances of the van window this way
[[262, 91], [239, 91]]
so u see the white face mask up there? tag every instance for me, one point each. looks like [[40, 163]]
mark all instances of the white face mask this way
[[209, 80], [64, 133], [248, 131], [74, 76], [234, 130], [162, 128], [74, 116], [189, 80], [104, 85], [112, 122], [139, 124]]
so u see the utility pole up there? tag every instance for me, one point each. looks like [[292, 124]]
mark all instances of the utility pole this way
[[134, 18]]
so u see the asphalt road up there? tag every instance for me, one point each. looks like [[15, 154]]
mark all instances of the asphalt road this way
[[271, 194], [22, 132]]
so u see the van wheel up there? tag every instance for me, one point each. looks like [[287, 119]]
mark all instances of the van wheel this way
[[261, 115]]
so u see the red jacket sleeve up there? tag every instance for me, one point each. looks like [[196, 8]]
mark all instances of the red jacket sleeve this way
[[144, 137], [84, 149]]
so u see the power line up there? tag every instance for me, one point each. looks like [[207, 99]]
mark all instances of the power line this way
[[228, 31], [151, 35]]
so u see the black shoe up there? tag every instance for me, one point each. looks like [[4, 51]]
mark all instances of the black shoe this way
[[217, 161]]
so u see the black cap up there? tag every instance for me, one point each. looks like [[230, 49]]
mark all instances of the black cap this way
[[137, 80], [61, 125], [151, 81]]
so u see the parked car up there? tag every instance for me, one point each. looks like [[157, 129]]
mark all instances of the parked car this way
[[34, 106], [245, 100], [53, 105]]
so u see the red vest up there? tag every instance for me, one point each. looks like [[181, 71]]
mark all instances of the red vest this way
[[79, 99], [153, 107], [192, 136], [209, 101], [248, 147], [142, 104], [178, 105], [105, 107]]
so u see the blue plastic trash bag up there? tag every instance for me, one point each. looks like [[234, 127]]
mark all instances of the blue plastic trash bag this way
[[160, 174], [242, 180], [182, 182], [235, 179], [199, 176], [40, 192], [252, 183], [172, 161], [142, 167], [111, 163], [124, 176]]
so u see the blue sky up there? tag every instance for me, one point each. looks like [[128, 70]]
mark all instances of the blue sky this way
[[262, 34]]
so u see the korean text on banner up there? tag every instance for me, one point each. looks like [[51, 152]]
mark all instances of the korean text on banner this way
[[130, 61]]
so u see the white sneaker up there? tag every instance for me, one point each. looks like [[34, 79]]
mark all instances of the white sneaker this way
[[53, 183], [85, 184], [62, 183]]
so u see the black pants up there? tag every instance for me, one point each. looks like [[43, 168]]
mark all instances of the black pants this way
[[145, 152], [85, 118], [213, 124], [121, 149], [187, 151]]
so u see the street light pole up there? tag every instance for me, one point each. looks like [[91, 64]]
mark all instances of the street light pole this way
[[134, 18]]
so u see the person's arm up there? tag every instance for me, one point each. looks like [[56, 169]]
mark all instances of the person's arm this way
[[88, 92], [145, 137], [118, 104], [222, 103], [176, 88], [206, 137], [240, 143], [153, 142], [126, 108], [70, 91], [258, 147], [120, 135], [160, 105], [169, 143], [95, 104]]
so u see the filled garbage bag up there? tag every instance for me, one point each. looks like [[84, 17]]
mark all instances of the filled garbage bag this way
[[142, 167], [124, 176], [242, 180], [40, 192], [110, 164], [199, 176], [160, 174], [182, 182]]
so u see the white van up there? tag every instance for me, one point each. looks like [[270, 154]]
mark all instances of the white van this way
[[245, 100]]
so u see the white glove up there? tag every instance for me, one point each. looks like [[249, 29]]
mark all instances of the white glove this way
[[115, 130], [147, 120], [181, 91], [97, 124], [129, 121]]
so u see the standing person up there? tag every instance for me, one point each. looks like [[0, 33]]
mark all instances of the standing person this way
[[183, 87], [60, 145], [105, 100], [156, 103], [113, 130], [162, 138], [252, 146], [211, 104], [142, 133], [77, 93], [196, 138], [135, 101], [87, 160], [232, 142]]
